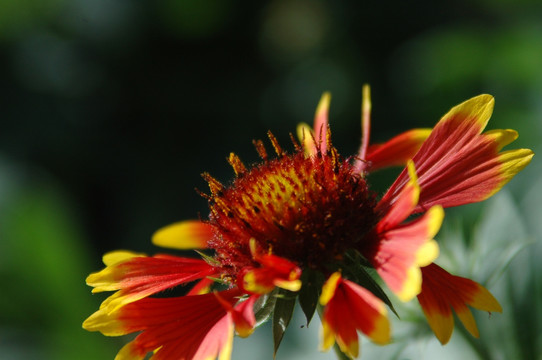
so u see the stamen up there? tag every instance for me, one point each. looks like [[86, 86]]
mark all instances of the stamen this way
[[276, 145], [237, 165], [297, 147], [216, 187], [260, 148]]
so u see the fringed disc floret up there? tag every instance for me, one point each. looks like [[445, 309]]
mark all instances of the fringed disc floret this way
[[308, 209]]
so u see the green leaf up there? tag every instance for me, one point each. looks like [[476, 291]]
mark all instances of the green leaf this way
[[312, 281], [263, 307], [284, 308]]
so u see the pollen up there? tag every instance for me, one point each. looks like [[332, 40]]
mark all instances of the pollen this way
[[308, 209]]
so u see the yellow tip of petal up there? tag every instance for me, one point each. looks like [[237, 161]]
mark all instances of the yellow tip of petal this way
[[323, 104], [225, 352], [366, 99], [502, 137], [292, 285], [328, 290], [183, 235], [382, 332], [351, 350], [119, 256], [466, 318], [251, 284], [483, 300], [305, 136], [436, 214], [327, 337], [104, 323], [478, 108], [427, 253], [412, 285], [442, 326], [412, 172], [413, 182]]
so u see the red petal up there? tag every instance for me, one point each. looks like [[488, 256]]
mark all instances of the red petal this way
[[275, 271], [457, 165], [398, 150], [189, 327], [349, 308], [141, 276], [400, 252], [442, 292]]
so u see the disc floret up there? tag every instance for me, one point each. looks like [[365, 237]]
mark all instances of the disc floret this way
[[308, 209]]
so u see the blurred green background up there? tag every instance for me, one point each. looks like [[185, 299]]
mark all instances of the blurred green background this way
[[110, 110]]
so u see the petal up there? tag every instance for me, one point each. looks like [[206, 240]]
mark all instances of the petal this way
[[442, 292], [189, 327], [275, 271], [314, 139], [321, 121], [118, 256], [398, 150], [329, 288], [360, 165], [243, 316], [202, 287], [190, 234], [404, 203], [139, 276], [350, 308], [306, 137], [401, 251], [457, 164], [437, 312]]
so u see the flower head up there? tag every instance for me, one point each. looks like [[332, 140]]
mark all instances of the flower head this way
[[306, 225]]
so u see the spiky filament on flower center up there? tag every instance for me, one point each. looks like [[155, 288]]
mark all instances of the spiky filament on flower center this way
[[307, 209]]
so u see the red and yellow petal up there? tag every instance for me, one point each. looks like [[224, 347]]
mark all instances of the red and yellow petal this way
[[442, 292], [321, 121], [457, 164], [138, 276], [184, 235], [396, 151], [189, 327], [242, 314], [403, 250], [305, 134], [361, 164], [403, 205], [315, 138], [274, 272], [350, 308], [399, 250]]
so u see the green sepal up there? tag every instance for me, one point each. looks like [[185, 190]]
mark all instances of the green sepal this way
[[208, 259], [284, 308], [263, 307], [309, 293]]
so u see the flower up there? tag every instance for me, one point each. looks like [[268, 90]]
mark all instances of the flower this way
[[305, 225]]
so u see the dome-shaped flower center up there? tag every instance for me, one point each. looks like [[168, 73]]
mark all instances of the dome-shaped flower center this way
[[309, 210]]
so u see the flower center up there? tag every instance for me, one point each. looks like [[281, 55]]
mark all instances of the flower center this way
[[309, 210]]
